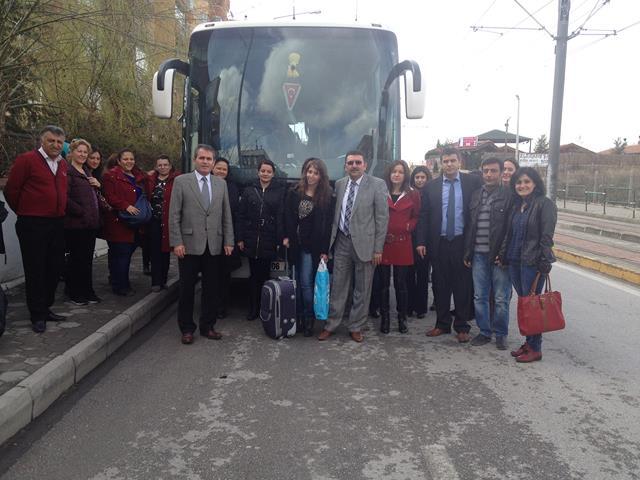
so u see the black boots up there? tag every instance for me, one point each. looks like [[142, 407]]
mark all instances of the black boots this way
[[385, 322], [308, 326], [402, 323]]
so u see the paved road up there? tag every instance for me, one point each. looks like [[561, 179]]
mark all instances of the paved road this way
[[401, 407]]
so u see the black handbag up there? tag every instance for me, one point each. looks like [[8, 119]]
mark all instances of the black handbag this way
[[135, 221]]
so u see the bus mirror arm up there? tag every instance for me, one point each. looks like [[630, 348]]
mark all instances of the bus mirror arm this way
[[174, 63], [414, 98]]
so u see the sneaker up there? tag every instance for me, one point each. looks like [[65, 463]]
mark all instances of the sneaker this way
[[93, 298], [480, 339], [529, 356], [79, 302], [501, 343]]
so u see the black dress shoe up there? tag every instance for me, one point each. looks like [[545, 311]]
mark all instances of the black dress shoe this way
[[54, 317], [39, 327], [420, 315]]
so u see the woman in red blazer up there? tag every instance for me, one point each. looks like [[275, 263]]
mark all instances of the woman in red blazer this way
[[159, 185], [404, 209], [122, 186]]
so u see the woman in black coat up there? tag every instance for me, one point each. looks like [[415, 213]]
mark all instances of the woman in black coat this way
[[81, 225], [260, 229], [307, 219], [418, 278]]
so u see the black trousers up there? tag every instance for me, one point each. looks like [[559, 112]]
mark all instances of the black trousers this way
[[189, 267], [418, 285], [159, 259], [399, 284], [79, 275], [42, 247], [259, 268], [450, 276], [376, 285]]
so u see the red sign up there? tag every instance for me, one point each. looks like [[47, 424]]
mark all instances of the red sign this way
[[469, 142], [291, 92]]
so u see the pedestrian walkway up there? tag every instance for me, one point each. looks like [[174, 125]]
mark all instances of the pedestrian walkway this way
[[596, 210], [89, 334]]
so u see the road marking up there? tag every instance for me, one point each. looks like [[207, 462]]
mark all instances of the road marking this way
[[599, 278], [438, 462]]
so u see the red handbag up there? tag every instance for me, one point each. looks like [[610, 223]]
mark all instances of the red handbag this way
[[540, 313]]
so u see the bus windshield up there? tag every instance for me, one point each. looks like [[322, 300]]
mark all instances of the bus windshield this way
[[289, 93]]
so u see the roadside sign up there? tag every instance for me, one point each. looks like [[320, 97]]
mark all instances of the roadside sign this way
[[534, 159]]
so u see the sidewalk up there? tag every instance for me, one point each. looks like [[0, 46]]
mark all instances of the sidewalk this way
[[596, 211], [36, 369]]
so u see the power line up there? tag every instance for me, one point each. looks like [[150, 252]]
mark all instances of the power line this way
[[534, 19], [596, 8]]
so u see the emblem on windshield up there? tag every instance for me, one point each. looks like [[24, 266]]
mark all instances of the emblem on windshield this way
[[291, 93], [294, 60]]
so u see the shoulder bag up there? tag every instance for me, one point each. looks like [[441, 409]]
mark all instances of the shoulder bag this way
[[540, 313]]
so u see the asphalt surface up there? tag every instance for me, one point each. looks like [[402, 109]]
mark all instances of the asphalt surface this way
[[396, 406]]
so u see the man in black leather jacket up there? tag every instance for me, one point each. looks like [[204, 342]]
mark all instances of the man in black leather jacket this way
[[489, 208]]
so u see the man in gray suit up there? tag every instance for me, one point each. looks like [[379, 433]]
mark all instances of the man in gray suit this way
[[199, 227], [357, 237]]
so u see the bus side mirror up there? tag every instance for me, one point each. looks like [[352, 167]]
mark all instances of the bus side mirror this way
[[414, 98], [163, 99]]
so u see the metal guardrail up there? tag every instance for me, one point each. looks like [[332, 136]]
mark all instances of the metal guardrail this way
[[597, 197]]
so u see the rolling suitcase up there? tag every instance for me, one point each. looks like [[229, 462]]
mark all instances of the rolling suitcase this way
[[278, 307]]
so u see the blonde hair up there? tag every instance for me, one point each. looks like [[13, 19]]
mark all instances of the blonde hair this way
[[76, 142]]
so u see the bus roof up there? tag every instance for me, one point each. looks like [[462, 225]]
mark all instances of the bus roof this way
[[281, 24]]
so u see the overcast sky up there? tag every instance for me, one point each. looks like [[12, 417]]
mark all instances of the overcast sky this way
[[473, 77]]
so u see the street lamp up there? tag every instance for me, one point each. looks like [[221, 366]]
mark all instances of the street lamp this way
[[518, 132], [506, 133]]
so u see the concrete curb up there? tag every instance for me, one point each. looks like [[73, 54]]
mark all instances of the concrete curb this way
[[31, 397], [633, 221], [627, 237], [598, 266]]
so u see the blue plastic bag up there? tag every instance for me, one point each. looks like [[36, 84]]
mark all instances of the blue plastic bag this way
[[321, 292]]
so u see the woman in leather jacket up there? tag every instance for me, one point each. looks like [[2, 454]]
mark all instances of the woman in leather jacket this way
[[527, 245], [260, 229]]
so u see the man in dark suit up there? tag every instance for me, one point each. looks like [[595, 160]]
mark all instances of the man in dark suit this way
[[440, 235], [200, 227], [357, 239], [37, 192]]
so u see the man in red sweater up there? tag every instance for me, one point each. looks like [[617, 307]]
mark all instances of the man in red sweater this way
[[37, 191]]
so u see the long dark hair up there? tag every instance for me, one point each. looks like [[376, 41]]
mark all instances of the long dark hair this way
[[405, 183], [323, 191], [533, 174], [417, 170]]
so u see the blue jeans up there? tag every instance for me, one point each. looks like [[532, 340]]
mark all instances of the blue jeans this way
[[489, 278], [522, 277], [306, 282], [119, 257]]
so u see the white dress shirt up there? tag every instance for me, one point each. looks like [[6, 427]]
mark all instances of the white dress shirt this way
[[208, 180], [344, 199], [52, 162]]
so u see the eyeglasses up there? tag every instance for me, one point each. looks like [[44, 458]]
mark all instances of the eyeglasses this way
[[355, 162]]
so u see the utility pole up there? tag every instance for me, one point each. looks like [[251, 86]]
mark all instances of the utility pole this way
[[518, 132], [564, 6]]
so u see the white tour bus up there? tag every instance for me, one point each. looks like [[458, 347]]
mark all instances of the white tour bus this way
[[287, 91]]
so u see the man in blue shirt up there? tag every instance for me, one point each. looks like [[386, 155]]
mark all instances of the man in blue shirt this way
[[440, 235]]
